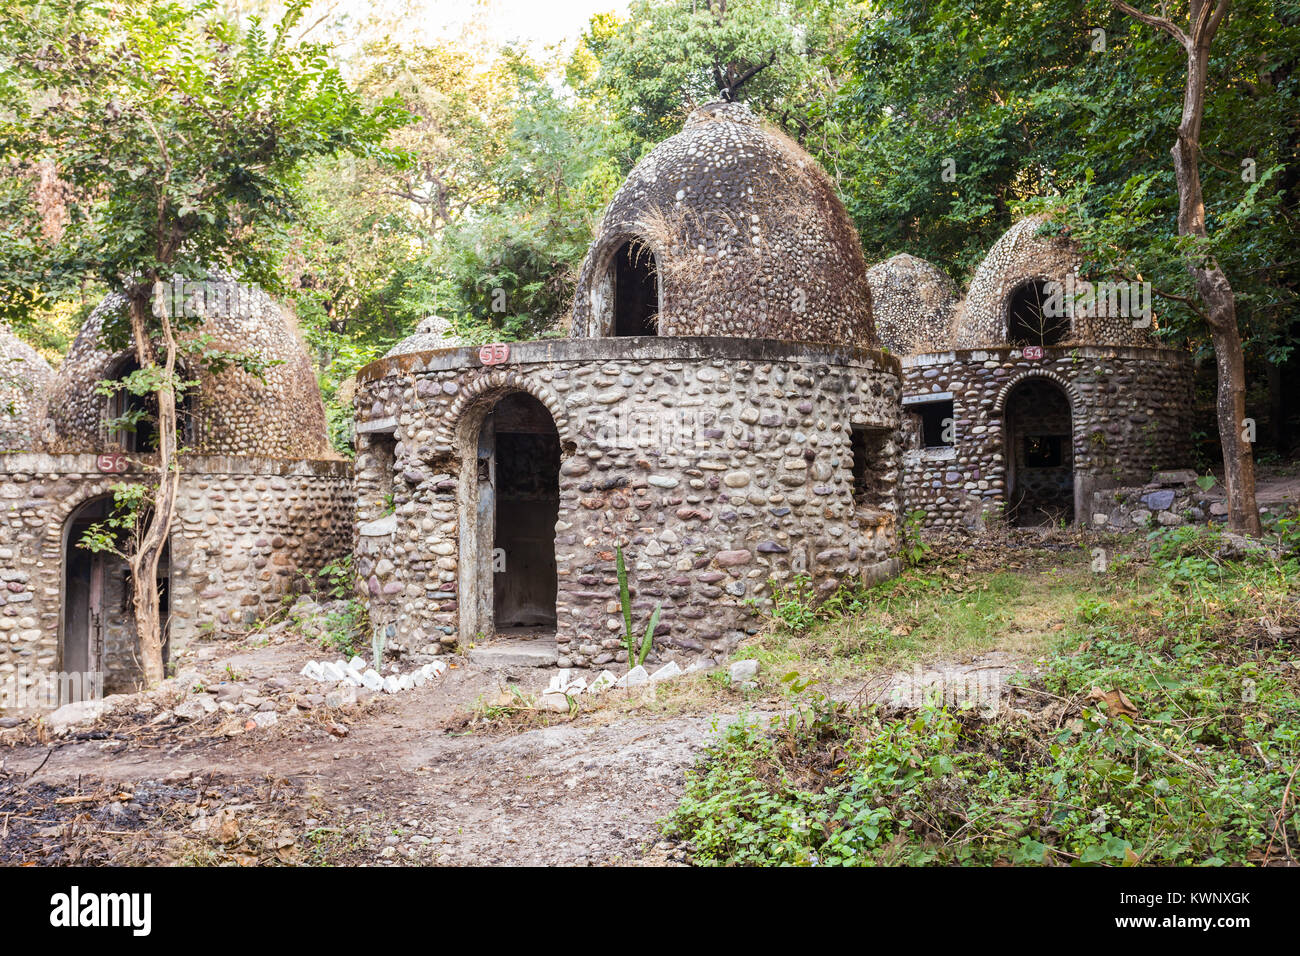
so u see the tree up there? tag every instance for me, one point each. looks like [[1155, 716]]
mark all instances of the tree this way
[[670, 56], [1213, 288], [177, 139]]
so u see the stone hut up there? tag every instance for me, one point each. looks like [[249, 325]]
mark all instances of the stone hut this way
[[1035, 396], [263, 502], [721, 412]]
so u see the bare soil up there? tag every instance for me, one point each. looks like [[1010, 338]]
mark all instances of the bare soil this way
[[417, 777]]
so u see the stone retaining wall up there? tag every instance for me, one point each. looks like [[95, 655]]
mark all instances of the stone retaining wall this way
[[248, 530]]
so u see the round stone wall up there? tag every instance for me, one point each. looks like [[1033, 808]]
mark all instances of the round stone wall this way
[[718, 465], [1130, 418], [279, 414], [745, 235], [1024, 255], [24, 376]]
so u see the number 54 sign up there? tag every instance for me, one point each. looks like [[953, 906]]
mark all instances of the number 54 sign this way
[[111, 464]]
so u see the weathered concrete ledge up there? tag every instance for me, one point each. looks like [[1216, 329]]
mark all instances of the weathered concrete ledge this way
[[37, 463], [1051, 353], [633, 348]]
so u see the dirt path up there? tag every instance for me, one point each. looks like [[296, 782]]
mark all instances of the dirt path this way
[[428, 775], [408, 782]]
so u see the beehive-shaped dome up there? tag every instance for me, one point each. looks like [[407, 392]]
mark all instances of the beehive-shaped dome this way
[[728, 228], [1011, 299], [24, 377], [278, 414], [913, 303]]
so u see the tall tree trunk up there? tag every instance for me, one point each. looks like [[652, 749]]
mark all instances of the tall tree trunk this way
[[1210, 281], [152, 541]]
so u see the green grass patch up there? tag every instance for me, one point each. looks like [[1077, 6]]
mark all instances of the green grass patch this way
[[1163, 727], [927, 613]]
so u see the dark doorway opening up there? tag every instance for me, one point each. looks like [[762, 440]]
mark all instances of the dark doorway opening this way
[[636, 290], [99, 649], [132, 420], [524, 473], [1031, 321], [1039, 454]]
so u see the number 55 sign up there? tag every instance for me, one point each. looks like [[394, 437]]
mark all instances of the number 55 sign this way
[[111, 464], [494, 354]]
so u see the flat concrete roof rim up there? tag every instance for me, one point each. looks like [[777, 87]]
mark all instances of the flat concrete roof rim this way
[[208, 466], [1154, 352], [613, 348]]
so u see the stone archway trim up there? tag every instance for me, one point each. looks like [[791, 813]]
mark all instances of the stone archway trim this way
[[495, 383], [68, 507], [1077, 407]]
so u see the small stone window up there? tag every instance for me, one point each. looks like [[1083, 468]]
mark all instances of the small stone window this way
[[383, 452], [935, 423], [869, 447], [1030, 321]]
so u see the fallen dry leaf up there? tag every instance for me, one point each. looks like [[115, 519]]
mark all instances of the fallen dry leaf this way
[[1115, 702]]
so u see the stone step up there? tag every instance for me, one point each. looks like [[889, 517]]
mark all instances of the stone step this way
[[502, 654]]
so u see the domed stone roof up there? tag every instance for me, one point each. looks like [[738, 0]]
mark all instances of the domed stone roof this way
[[1018, 257], [913, 303], [728, 228], [434, 332], [277, 415], [24, 376], [1018, 276]]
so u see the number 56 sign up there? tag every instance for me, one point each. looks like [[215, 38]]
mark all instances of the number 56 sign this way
[[111, 464]]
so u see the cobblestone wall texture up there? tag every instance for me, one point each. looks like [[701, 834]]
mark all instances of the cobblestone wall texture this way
[[719, 465], [1130, 418], [24, 376], [248, 532], [279, 415]]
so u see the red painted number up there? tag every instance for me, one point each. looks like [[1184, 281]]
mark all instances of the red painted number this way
[[494, 354], [1033, 352], [111, 464]]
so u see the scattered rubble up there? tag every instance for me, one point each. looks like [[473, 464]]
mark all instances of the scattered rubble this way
[[354, 674]]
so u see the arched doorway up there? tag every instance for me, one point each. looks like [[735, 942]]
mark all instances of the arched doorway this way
[[508, 571], [98, 646], [636, 290], [1038, 430], [1030, 320]]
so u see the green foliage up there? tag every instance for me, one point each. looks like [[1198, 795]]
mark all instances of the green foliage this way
[[177, 138], [912, 546], [116, 533], [1035, 115], [636, 652], [1196, 777], [794, 606], [670, 56], [341, 629]]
